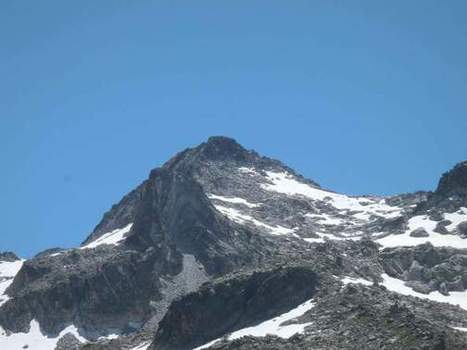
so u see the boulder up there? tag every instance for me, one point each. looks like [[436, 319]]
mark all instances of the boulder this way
[[462, 228], [419, 232]]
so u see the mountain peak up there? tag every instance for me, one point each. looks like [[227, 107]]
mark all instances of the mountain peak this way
[[454, 181], [216, 148], [222, 147], [222, 140]]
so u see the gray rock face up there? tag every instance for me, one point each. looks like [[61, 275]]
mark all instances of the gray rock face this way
[[451, 193], [220, 238], [462, 228], [454, 182], [88, 288], [357, 317], [233, 303], [427, 268], [68, 342], [113, 287], [8, 256]]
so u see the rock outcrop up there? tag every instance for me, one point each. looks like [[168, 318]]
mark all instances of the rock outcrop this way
[[221, 238]]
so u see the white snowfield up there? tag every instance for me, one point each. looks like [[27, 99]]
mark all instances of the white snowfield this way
[[235, 200], [143, 346], [325, 236], [360, 209], [284, 182], [363, 209], [437, 239], [8, 271], [348, 280], [274, 326], [34, 339], [111, 238], [237, 216], [249, 171], [398, 286]]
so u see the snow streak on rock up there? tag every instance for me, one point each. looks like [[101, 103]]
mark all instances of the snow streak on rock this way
[[348, 280], [398, 286], [237, 216], [143, 346], [274, 326], [34, 339], [234, 200], [112, 238]]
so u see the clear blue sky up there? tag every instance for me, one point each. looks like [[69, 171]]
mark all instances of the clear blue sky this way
[[361, 96]]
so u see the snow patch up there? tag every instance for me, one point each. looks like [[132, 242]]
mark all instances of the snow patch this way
[[237, 216], [456, 218], [112, 238], [435, 238], [314, 240], [246, 170], [143, 346], [274, 326], [109, 336], [348, 280], [34, 339], [364, 207], [234, 200], [325, 236], [398, 286]]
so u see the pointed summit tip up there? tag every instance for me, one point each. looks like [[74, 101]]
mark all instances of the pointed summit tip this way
[[222, 147], [222, 140]]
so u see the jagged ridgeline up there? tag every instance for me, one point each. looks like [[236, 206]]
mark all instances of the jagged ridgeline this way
[[222, 248]]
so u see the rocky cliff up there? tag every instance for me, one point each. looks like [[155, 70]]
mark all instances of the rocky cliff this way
[[223, 248]]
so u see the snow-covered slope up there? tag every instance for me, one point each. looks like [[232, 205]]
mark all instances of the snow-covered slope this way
[[111, 238], [34, 339], [281, 203], [399, 286], [447, 239]]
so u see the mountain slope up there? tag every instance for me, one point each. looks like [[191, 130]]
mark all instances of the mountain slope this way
[[217, 216]]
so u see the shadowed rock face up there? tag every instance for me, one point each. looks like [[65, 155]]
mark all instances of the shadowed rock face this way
[[454, 181], [173, 208], [111, 287], [87, 288], [451, 193], [233, 303]]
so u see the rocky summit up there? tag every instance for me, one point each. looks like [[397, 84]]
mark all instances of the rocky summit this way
[[222, 248]]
